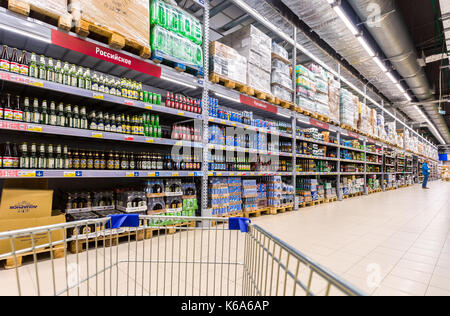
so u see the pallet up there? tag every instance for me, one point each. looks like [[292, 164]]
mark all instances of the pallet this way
[[103, 34], [81, 245], [315, 203], [21, 7], [310, 114], [228, 83], [279, 210], [323, 118], [348, 127], [264, 96], [285, 104], [331, 200], [180, 67], [58, 253], [255, 213]]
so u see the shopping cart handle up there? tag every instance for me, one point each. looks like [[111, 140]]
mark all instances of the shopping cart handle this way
[[239, 223], [126, 220]]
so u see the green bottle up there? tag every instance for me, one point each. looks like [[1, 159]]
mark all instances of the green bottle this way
[[95, 85], [33, 71], [50, 71], [87, 79], [80, 78], [73, 76], [66, 74], [42, 69], [58, 72]]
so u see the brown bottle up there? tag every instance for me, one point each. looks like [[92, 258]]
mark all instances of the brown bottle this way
[[24, 64], [83, 159], [116, 161], [15, 64], [110, 162], [102, 161], [7, 156], [5, 61], [76, 160], [8, 111], [90, 161]]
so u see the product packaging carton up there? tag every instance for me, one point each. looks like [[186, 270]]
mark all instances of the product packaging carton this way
[[227, 62]]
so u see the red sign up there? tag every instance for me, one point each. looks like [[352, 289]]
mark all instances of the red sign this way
[[13, 126], [319, 124], [258, 104], [354, 135], [9, 173], [84, 47]]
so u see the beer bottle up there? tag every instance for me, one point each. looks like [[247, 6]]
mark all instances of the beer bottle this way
[[42, 160], [103, 164], [101, 84], [124, 164], [44, 118], [76, 160], [141, 91], [97, 163], [33, 71], [69, 116], [24, 158], [113, 123], [42, 69], [95, 85], [80, 78], [118, 88], [132, 162], [87, 79], [33, 157], [67, 156], [59, 161], [160, 162], [117, 161], [50, 157], [100, 122], [51, 70], [36, 115], [23, 64], [16, 158], [83, 119], [90, 161], [123, 87], [141, 126], [53, 118], [92, 121], [112, 86], [66, 74], [18, 112], [15, 65], [119, 124], [27, 114], [5, 61], [76, 117], [8, 111], [110, 163], [6, 157], [58, 73], [83, 159], [73, 76], [107, 122], [61, 120]]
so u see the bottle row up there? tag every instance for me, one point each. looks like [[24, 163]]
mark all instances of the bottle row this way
[[56, 71], [62, 157], [244, 163]]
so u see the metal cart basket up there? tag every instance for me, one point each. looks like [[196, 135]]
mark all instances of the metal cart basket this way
[[154, 255]]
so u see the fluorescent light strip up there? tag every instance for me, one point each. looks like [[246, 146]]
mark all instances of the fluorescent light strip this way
[[305, 51], [400, 88], [380, 64], [346, 20], [366, 46], [283, 115], [227, 97], [392, 78], [179, 82], [27, 34]]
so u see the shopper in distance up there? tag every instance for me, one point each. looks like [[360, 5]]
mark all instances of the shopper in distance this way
[[426, 174]]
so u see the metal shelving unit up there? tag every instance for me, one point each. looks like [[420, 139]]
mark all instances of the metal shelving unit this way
[[31, 35]]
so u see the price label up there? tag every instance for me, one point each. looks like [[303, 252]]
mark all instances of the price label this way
[[191, 174], [98, 96], [175, 175], [149, 107], [70, 174], [130, 103], [97, 135], [152, 175], [181, 113], [32, 128], [129, 138], [149, 140], [179, 144], [28, 174], [37, 84], [211, 120], [130, 175]]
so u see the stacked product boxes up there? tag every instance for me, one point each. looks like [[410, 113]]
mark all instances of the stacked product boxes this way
[[281, 73], [274, 191], [322, 90], [306, 89], [256, 47], [227, 63], [249, 195], [307, 190], [349, 103], [262, 194], [176, 35], [225, 196], [352, 185], [334, 91]]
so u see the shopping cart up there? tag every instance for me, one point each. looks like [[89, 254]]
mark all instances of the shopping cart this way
[[155, 255]]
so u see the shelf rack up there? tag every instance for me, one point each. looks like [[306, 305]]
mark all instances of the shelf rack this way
[[41, 38]]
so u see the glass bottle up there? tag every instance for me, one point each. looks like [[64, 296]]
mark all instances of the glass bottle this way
[[97, 163], [73, 76], [15, 63], [18, 111], [27, 114], [61, 120], [24, 64], [24, 157], [90, 161], [36, 115], [33, 71], [51, 70], [87, 79], [50, 157], [83, 159], [42, 68], [42, 159], [33, 157], [110, 163], [124, 163], [95, 85], [75, 159], [53, 118], [76, 117], [5, 61], [59, 161], [44, 118], [117, 161], [83, 118], [80, 78], [92, 121], [8, 111], [66, 74], [69, 116], [58, 72], [67, 158]]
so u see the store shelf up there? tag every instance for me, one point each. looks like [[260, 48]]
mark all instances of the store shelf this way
[[248, 127], [374, 163], [372, 153], [317, 157], [89, 94], [316, 141], [375, 173], [352, 148], [64, 131], [247, 174], [74, 174], [250, 151], [352, 173], [317, 173], [352, 161]]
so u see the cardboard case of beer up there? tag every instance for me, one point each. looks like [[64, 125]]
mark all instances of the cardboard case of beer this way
[[21, 209], [130, 19]]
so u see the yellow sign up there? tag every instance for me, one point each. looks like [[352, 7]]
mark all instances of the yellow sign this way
[[37, 84], [97, 135], [149, 107], [70, 175], [175, 175], [35, 129], [181, 113], [150, 140], [98, 96], [28, 175]]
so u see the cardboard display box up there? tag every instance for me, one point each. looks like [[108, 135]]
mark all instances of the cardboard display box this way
[[25, 204]]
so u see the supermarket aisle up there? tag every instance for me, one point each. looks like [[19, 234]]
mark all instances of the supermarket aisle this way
[[393, 243]]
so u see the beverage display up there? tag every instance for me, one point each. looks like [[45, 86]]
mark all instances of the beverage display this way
[[183, 103]]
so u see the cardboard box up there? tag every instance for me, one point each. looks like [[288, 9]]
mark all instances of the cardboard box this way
[[25, 204], [130, 19], [228, 63], [25, 242]]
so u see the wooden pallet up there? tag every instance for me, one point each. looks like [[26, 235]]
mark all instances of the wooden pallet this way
[[285, 104], [310, 114], [264, 96], [81, 245], [58, 253], [279, 210], [349, 128], [228, 83], [180, 67], [331, 200], [323, 118], [103, 34], [255, 213], [315, 203], [63, 21]]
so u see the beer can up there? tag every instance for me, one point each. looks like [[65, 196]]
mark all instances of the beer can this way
[[146, 97], [158, 99]]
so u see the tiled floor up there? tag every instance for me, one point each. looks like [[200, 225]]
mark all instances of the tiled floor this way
[[393, 243]]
